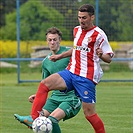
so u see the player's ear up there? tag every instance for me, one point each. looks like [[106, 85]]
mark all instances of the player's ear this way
[[92, 17]]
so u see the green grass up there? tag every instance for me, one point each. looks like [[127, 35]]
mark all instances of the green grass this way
[[114, 106]]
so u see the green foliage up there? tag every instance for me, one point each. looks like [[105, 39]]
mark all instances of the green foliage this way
[[124, 21], [9, 31], [35, 18], [116, 20]]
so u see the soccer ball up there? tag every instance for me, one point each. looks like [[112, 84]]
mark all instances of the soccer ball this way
[[42, 124]]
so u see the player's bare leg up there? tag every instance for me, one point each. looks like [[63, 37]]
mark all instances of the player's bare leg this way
[[92, 117], [54, 82]]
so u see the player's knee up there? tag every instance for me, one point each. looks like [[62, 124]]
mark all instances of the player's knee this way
[[88, 112], [43, 88], [46, 83], [43, 81]]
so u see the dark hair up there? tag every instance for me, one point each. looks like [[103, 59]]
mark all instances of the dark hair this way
[[54, 30], [87, 8]]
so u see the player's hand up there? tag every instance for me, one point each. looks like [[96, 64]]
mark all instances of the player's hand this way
[[99, 52], [31, 98], [54, 58]]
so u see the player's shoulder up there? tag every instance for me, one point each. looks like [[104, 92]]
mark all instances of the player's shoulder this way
[[101, 32], [98, 29], [64, 48], [46, 58], [77, 27]]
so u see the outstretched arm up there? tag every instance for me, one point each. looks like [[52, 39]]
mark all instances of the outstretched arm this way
[[60, 56]]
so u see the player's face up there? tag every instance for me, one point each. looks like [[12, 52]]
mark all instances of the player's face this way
[[85, 20], [53, 41]]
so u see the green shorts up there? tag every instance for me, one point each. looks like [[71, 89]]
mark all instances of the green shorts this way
[[70, 106]]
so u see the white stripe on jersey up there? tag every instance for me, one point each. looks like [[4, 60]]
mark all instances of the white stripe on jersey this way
[[73, 61]]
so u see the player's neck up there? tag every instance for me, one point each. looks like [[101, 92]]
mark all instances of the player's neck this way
[[55, 51]]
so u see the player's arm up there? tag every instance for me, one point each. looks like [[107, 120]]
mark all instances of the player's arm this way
[[104, 50], [62, 55], [105, 57], [31, 98]]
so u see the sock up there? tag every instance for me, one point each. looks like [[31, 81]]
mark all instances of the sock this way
[[39, 101], [97, 123], [56, 128]]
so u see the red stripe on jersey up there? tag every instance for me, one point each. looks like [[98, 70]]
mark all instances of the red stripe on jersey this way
[[77, 65], [101, 42], [75, 31], [68, 67], [77, 54], [90, 62]]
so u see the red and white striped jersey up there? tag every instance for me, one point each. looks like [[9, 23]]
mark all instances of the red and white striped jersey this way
[[84, 61]]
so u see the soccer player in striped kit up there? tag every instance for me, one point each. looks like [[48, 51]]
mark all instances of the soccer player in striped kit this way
[[83, 72]]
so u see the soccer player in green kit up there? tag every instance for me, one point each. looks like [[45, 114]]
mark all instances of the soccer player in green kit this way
[[59, 105]]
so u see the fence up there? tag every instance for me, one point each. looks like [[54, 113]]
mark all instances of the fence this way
[[117, 75]]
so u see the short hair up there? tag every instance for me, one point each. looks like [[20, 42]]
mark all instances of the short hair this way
[[54, 30], [87, 8]]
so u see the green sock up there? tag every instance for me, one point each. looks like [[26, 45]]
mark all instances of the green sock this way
[[56, 128]]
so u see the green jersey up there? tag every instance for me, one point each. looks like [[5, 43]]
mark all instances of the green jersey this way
[[49, 67]]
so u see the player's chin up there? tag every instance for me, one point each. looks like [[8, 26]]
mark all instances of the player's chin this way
[[52, 48], [82, 26]]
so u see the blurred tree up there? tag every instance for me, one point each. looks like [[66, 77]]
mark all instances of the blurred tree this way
[[123, 23], [7, 6], [69, 9], [115, 18], [2, 13], [35, 18]]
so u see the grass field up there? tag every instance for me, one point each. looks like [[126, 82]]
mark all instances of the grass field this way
[[114, 106]]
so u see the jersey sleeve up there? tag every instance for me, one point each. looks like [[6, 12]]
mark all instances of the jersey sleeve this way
[[104, 44], [75, 31], [107, 48]]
